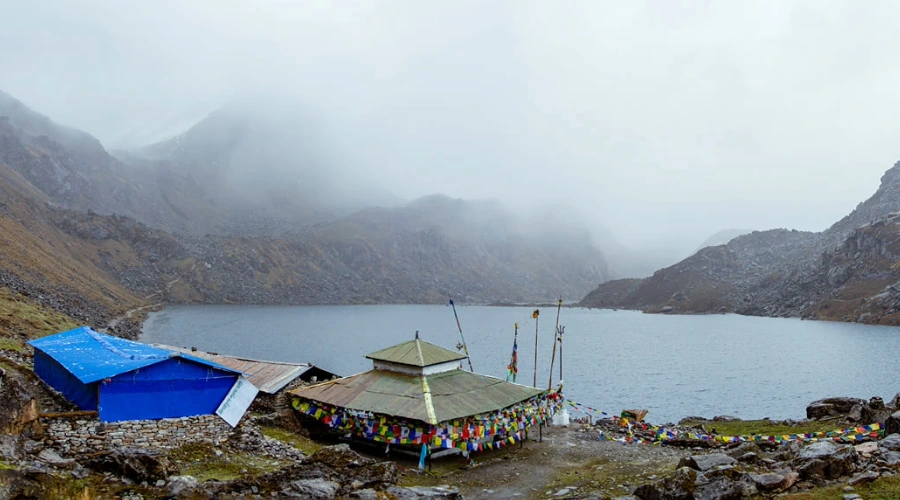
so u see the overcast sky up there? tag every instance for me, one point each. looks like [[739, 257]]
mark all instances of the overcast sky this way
[[666, 121]]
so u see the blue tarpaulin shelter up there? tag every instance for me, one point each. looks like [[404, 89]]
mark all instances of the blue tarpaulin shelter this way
[[126, 380]]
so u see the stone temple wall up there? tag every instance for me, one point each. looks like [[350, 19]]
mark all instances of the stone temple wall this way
[[76, 435]]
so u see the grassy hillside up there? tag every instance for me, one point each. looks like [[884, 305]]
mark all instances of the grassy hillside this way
[[48, 278]]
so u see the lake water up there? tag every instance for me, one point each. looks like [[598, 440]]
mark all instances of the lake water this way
[[674, 366]]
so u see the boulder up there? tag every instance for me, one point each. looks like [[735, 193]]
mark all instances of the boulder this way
[[892, 424], [724, 489], [704, 463], [774, 482], [50, 457], [32, 447], [18, 409], [876, 403], [137, 464], [787, 451], [181, 486], [340, 457], [10, 447], [891, 442], [372, 475], [830, 407], [420, 492], [718, 472], [311, 488], [826, 460], [863, 477], [856, 413], [889, 459], [816, 411], [678, 486], [894, 403], [743, 449], [866, 448]]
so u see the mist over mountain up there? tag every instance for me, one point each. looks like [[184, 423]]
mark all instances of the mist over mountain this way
[[276, 154], [257, 207]]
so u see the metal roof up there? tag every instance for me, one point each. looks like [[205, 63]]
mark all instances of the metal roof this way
[[92, 356], [268, 376], [416, 353], [453, 394]]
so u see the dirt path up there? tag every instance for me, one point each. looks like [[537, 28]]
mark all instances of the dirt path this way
[[114, 323], [568, 462]]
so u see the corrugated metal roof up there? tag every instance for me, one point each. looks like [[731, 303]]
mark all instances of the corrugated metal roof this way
[[454, 394], [92, 356], [416, 353], [268, 376]]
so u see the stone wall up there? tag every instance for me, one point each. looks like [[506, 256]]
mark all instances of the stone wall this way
[[71, 436]]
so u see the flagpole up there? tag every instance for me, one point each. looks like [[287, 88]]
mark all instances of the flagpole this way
[[466, 349], [512, 371], [535, 315], [555, 337]]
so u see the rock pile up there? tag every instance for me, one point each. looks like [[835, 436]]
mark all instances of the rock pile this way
[[746, 470], [853, 409]]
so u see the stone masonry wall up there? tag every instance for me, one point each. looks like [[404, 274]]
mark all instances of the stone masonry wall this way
[[72, 436]]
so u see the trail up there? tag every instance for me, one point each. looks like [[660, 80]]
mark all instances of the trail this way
[[114, 323]]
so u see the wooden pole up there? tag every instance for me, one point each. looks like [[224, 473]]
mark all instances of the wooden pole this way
[[465, 347], [555, 336], [535, 315], [69, 414]]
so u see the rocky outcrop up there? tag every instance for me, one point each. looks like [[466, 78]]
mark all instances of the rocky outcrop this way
[[832, 407], [846, 273], [704, 463], [137, 464], [793, 467], [825, 460], [679, 486], [726, 278]]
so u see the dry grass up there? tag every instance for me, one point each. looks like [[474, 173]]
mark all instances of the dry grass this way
[[886, 488], [761, 427], [20, 316], [201, 462], [304, 444]]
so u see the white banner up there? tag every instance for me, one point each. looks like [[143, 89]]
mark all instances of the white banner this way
[[239, 398]]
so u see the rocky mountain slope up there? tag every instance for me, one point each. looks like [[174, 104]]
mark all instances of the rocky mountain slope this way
[[214, 234], [844, 273], [50, 277]]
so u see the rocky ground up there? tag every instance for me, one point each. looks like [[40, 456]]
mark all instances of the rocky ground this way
[[582, 460]]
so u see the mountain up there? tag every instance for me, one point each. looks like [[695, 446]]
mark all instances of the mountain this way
[[845, 273], [73, 170], [724, 278], [212, 216], [722, 237], [50, 277]]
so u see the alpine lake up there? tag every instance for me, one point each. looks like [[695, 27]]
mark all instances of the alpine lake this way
[[673, 366]]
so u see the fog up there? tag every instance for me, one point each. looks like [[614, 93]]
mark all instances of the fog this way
[[665, 122]]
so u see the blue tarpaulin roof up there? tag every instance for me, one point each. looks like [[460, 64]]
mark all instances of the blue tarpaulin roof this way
[[91, 356]]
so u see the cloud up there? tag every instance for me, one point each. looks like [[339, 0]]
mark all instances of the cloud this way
[[666, 122]]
